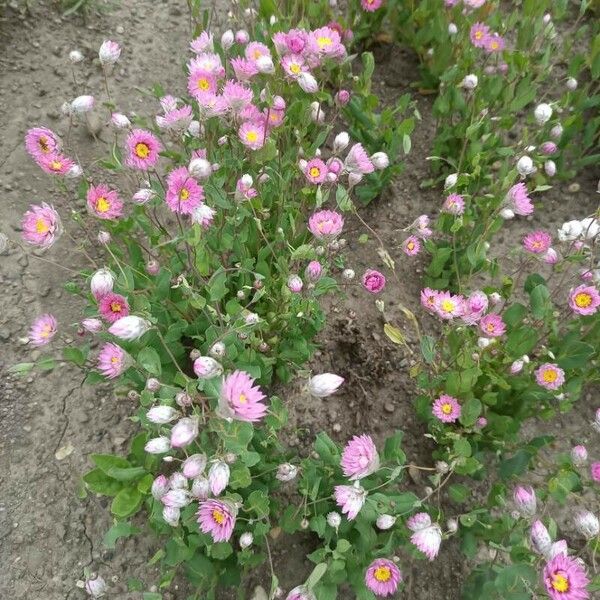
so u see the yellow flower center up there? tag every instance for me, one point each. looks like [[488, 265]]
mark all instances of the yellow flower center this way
[[314, 171], [43, 142], [115, 306], [242, 399], [550, 375], [102, 204], [583, 299], [46, 331], [114, 360], [494, 45], [252, 136], [218, 516], [41, 226], [489, 327], [295, 68], [324, 41], [184, 194], [447, 306], [142, 150], [447, 408], [56, 165], [382, 574], [257, 54], [203, 84], [410, 245], [478, 35], [560, 583]]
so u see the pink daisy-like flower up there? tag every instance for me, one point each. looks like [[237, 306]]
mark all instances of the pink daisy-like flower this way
[[382, 576], [300, 592], [273, 117], [475, 305], [360, 457], [550, 376], [252, 135], [40, 141], [217, 518], [41, 225], [492, 325], [429, 298], [373, 281], [315, 171], [447, 409], [204, 216], [293, 65], [565, 579], [177, 120], [209, 62], [479, 34], [411, 245], [518, 200], [537, 242], [328, 42], [143, 148], [112, 360], [55, 164], [104, 203], [427, 536], [203, 43], [584, 300], [201, 82], [350, 498], [112, 307], [184, 193], [42, 330], [243, 68], [494, 43], [326, 224], [211, 105], [241, 399], [358, 161], [237, 95], [448, 306], [595, 471], [371, 5], [255, 50], [454, 205]]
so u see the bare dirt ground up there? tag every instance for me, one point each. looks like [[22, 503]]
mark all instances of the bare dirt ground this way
[[51, 424]]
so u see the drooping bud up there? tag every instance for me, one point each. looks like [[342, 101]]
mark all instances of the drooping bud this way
[[307, 82], [341, 141], [246, 540], [194, 465], [540, 538], [171, 515], [143, 195], [587, 524], [92, 325], [206, 367], [295, 284], [162, 415], [176, 498], [385, 522], [218, 476], [324, 385], [120, 121], [542, 113], [525, 500], [101, 283], [579, 456], [450, 181], [201, 488], [184, 432], [286, 472], [227, 39], [130, 327], [525, 166], [200, 168], [334, 519], [152, 267], [109, 52], [516, 367], [158, 445], [380, 160], [82, 104]]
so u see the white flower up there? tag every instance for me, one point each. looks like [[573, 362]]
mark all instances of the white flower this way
[[340, 142], [570, 231], [246, 540], [200, 168], [385, 522], [469, 82], [82, 104], [162, 414], [101, 283], [380, 160], [158, 445], [324, 385], [525, 166], [130, 327], [218, 476], [542, 113], [334, 519]]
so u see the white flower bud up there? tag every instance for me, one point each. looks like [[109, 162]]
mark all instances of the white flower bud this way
[[587, 524], [171, 515], [307, 82], [207, 367], [158, 445], [341, 142], [264, 64], [218, 350], [324, 385], [572, 84], [75, 56], [452, 525], [452, 29], [200, 168], [525, 166], [74, 172], [227, 39], [109, 52], [162, 414], [385, 522], [348, 274], [286, 472], [82, 104], [201, 488], [160, 486], [92, 325], [194, 466], [194, 128], [317, 114], [218, 476], [101, 283], [469, 82], [550, 168], [176, 498], [120, 121], [507, 213], [556, 131], [450, 181], [130, 327], [95, 586], [380, 160], [246, 540], [542, 113], [184, 432], [334, 519], [484, 342]]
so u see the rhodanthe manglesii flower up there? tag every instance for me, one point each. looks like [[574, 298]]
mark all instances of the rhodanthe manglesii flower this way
[[42, 330], [383, 577], [584, 300], [217, 518], [218, 476], [315, 171], [525, 500], [565, 579], [428, 299], [252, 135], [350, 498], [112, 360], [427, 536], [447, 409], [494, 43], [373, 281], [537, 242], [130, 327], [448, 306], [300, 592], [143, 148], [358, 161], [454, 204], [104, 203], [371, 5], [540, 538], [411, 245], [474, 307], [109, 52], [518, 200], [479, 34], [326, 224], [184, 194], [40, 141], [55, 164], [112, 307], [492, 325], [550, 376], [41, 225], [241, 399], [360, 457], [595, 471], [184, 432]]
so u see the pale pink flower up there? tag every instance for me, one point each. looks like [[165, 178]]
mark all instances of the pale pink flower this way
[[359, 458], [550, 376], [184, 432], [358, 161], [40, 141], [448, 306], [454, 205], [55, 164], [104, 203], [350, 498], [549, 148], [241, 399], [203, 216], [427, 536], [326, 224], [208, 62], [579, 455], [252, 135], [540, 538], [315, 171], [201, 82], [112, 360], [447, 409], [218, 476], [142, 149], [595, 471], [584, 300], [294, 65], [494, 43], [382, 576], [112, 307], [371, 5], [255, 50], [475, 305], [43, 330], [244, 69], [565, 579], [518, 200], [411, 245], [300, 592], [203, 43], [237, 96], [177, 120], [479, 34], [328, 42], [184, 194], [217, 518], [41, 225], [373, 281], [537, 242], [429, 299], [525, 500], [492, 325], [92, 325], [109, 52]]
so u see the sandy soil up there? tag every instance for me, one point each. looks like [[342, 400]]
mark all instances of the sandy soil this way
[[47, 533]]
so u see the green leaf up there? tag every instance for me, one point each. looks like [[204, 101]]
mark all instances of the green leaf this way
[[394, 334], [540, 301], [126, 502], [74, 355], [221, 550], [471, 409], [258, 501], [149, 359], [117, 467], [521, 341], [240, 476], [428, 349], [576, 355], [462, 447], [118, 531], [459, 492], [21, 367], [316, 575], [100, 483]]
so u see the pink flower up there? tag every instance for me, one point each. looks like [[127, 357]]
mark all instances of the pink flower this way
[[201, 82], [42, 330], [184, 194], [411, 245], [382, 576], [204, 216], [548, 148], [537, 242], [313, 270], [143, 148], [252, 135], [565, 579], [584, 300], [177, 120], [294, 65], [326, 224], [328, 42], [350, 498], [55, 164], [104, 203], [208, 62], [492, 325], [525, 500], [40, 141], [427, 536], [518, 200], [109, 52], [373, 281], [203, 43], [237, 96], [428, 299], [371, 5], [447, 305], [494, 43], [595, 471], [550, 376], [475, 305], [454, 205], [244, 69], [359, 458], [479, 34], [300, 592], [447, 409], [41, 225], [112, 360], [241, 399], [315, 171], [112, 307], [255, 50], [358, 161], [217, 518]]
